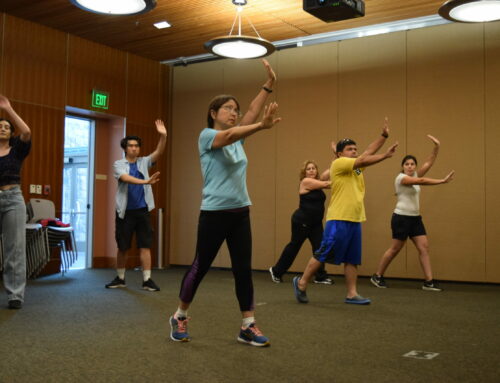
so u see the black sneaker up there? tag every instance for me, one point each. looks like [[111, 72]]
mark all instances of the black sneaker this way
[[299, 294], [150, 285], [274, 278], [431, 285], [378, 281], [324, 281], [117, 282], [15, 304]]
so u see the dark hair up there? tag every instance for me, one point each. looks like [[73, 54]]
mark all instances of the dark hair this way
[[343, 143], [408, 157], [215, 105], [12, 128], [125, 140]]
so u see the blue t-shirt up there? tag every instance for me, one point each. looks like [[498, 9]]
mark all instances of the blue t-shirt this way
[[135, 198], [224, 173]]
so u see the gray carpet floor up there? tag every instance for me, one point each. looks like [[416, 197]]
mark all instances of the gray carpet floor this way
[[72, 329]]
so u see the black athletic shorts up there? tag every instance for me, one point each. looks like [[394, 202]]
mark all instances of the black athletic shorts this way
[[404, 226], [138, 221]]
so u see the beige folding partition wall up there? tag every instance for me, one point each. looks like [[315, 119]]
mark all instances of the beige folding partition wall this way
[[442, 80]]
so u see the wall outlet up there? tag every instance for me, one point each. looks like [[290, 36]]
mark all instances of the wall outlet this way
[[38, 189], [32, 189]]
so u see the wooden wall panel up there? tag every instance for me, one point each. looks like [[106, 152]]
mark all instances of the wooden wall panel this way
[[44, 165], [194, 86], [492, 146], [372, 85], [307, 94], [446, 99], [2, 72], [143, 90], [35, 61], [91, 65]]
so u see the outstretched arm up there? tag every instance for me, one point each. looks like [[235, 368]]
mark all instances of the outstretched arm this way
[[137, 181], [160, 148], [368, 160], [325, 176], [24, 130], [231, 135], [258, 102], [430, 161], [427, 181]]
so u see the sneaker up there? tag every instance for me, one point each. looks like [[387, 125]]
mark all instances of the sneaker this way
[[15, 304], [117, 282], [324, 281], [431, 285], [299, 294], [378, 281], [252, 336], [358, 300], [150, 285], [178, 329], [274, 278]]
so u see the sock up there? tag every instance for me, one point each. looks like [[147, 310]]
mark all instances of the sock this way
[[121, 273], [146, 274], [247, 322], [180, 313]]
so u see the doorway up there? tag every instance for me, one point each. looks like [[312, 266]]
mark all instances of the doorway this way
[[78, 186]]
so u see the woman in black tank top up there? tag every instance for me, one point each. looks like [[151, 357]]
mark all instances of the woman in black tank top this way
[[307, 223]]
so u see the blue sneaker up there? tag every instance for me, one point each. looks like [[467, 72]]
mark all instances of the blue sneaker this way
[[252, 336], [358, 300], [178, 329], [299, 294]]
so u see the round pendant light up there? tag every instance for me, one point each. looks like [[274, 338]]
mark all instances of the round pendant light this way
[[471, 11], [115, 7], [240, 46]]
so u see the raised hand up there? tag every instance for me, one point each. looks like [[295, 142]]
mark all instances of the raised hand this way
[[449, 177], [160, 127], [271, 76], [154, 178], [333, 145], [392, 149], [4, 102], [434, 139], [269, 120], [385, 130]]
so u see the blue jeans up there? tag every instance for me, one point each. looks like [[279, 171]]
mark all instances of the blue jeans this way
[[13, 231]]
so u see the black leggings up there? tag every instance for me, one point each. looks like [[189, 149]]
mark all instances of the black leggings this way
[[300, 232], [213, 228]]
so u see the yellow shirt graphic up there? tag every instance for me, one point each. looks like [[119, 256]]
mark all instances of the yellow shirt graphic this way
[[348, 192]]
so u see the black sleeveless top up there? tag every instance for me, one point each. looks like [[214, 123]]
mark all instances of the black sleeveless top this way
[[311, 208], [10, 165]]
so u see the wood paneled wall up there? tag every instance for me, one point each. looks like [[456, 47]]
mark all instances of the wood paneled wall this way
[[43, 71], [442, 80]]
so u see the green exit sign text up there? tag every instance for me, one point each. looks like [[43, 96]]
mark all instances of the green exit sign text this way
[[100, 99]]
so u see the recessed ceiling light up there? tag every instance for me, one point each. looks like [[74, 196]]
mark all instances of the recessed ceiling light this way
[[115, 7], [162, 24], [471, 11]]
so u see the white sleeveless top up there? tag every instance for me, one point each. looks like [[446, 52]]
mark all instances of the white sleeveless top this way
[[408, 197]]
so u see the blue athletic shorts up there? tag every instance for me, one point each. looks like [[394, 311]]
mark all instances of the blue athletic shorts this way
[[341, 243]]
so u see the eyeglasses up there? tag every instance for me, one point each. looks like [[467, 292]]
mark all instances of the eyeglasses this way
[[230, 109]]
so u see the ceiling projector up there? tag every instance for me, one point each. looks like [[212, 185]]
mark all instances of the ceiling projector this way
[[335, 10]]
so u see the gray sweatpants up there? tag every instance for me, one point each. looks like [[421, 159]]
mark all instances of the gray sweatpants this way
[[13, 231]]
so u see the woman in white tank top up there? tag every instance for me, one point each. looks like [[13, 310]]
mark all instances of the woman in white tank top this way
[[406, 220]]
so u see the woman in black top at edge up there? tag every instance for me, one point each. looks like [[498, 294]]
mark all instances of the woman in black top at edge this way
[[13, 151], [307, 222]]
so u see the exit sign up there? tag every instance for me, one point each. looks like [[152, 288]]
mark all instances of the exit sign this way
[[100, 99]]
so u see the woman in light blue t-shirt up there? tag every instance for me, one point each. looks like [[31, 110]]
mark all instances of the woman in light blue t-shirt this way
[[225, 214], [406, 220]]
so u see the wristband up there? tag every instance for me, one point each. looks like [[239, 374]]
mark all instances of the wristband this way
[[385, 135], [268, 90]]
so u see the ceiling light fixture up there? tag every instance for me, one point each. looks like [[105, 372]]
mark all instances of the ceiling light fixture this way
[[115, 7], [471, 11], [162, 24], [240, 46]]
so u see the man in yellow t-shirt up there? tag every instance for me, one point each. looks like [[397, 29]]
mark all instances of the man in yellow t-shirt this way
[[342, 236]]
